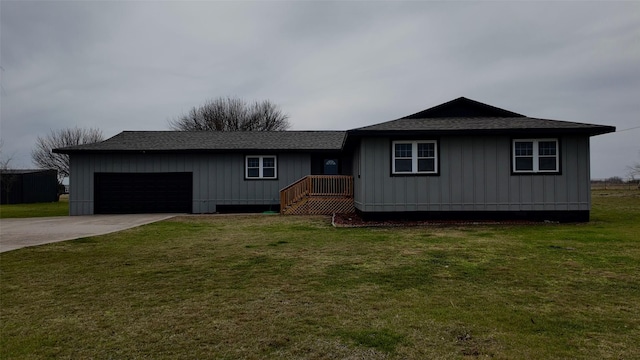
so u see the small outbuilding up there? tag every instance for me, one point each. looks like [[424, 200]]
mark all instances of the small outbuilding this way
[[28, 186]]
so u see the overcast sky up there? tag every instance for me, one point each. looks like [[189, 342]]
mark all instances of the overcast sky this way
[[121, 65]]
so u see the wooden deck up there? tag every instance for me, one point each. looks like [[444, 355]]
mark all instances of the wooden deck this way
[[318, 195]]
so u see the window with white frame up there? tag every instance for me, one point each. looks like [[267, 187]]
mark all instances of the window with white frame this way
[[414, 157], [261, 167], [536, 156]]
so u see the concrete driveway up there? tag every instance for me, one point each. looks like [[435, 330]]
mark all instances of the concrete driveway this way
[[19, 233]]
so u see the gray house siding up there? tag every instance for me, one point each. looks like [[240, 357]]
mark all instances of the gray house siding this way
[[357, 175], [205, 171], [475, 175], [218, 179]]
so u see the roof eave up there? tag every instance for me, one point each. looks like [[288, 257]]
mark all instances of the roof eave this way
[[592, 131], [190, 151]]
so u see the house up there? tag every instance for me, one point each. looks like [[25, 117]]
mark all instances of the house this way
[[460, 159], [28, 186]]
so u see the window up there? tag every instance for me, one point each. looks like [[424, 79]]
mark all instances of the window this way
[[414, 157], [261, 167], [536, 156]]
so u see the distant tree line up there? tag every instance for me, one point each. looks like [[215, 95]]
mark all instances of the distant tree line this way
[[616, 182], [610, 180]]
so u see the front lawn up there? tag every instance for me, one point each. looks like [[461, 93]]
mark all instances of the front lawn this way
[[259, 287], [60, 208]]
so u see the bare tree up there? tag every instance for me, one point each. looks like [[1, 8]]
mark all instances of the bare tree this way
[[232, 114], [7, 178], [633, 171], [44, 158], [4, 161]]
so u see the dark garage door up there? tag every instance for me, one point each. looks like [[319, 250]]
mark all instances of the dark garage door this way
[[137, 193]]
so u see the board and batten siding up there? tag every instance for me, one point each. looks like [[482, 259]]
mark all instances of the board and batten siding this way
[[475, 175], [218, 179]]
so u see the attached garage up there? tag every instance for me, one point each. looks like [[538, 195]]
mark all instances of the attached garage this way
[[199, 172], [139, 193]]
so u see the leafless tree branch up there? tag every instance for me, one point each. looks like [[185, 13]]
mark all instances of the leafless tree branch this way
[[43, 157], [6, 178], [232, 114], [4, 161]]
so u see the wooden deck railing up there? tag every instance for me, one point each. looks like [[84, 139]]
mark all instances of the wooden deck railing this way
[[294, 193], [329, 194]]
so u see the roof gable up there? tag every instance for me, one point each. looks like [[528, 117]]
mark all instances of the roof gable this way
[[462, 107]]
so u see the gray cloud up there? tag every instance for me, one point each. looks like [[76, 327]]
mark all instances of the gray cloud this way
[[331, 65]]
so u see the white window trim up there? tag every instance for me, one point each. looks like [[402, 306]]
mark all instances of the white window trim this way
[[535, 156], [261, 168], [414, 156]]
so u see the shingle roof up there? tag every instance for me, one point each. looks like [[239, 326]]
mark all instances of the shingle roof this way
[[466, 116], [483, 124], [24, 171], [128, 141], [462, 107], [461, 116]]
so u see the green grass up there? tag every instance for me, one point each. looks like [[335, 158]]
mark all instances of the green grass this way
[[60, 208], [257, 287]]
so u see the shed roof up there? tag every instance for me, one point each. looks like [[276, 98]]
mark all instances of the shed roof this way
[[176, 141]]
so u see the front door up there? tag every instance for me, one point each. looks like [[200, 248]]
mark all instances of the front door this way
[[331, 166]]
